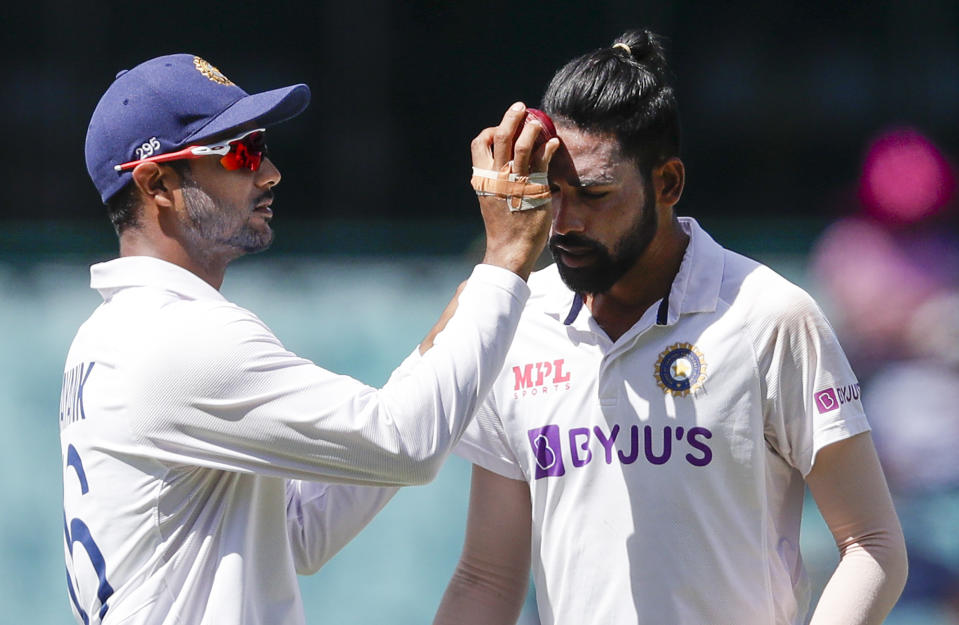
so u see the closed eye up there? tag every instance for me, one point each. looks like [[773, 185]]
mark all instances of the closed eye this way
[[593, 195]]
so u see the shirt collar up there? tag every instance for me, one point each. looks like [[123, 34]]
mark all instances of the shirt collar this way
[[694, 289], [697, 284], [134, 271]]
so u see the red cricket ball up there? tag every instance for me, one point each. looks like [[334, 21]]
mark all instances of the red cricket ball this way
[[549, 130]]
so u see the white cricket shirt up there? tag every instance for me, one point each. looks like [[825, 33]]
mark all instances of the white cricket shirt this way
[[666, 468], [195, 446]]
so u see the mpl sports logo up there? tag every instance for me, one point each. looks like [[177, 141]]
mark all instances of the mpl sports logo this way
[[539, 378], [832, 398]]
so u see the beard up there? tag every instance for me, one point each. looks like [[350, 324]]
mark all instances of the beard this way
[[222, 227], [610, 265]]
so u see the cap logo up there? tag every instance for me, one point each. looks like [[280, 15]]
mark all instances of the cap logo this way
[[210, 72]]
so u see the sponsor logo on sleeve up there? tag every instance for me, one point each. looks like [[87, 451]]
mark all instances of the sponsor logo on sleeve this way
[[830, 399]]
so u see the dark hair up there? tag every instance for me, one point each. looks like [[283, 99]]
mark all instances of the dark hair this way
[[124, 207], [624, 90]]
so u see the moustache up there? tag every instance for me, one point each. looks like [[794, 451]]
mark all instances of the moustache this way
[[574, 240]]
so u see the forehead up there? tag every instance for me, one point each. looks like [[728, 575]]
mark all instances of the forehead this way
[[589, 158]]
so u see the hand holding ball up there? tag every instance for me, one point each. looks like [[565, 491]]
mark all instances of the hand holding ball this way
[[548, 131]]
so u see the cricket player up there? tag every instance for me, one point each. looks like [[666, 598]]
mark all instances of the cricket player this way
[[204, 465], [663, 406]]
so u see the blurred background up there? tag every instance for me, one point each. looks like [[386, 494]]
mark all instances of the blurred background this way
[[819, 138]]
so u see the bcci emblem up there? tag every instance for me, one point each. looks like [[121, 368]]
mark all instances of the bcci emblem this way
[[680, 369], [210, 72]]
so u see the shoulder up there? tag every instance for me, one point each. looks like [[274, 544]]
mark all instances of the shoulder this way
[[207, 337], [206, 319], [761, 295]]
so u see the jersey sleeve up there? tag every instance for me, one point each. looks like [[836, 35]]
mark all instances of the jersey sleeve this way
[[222, 391], [485, 443], [322, 518], [811, 395]]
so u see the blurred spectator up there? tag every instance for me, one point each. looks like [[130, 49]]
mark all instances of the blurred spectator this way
[[891, 273]]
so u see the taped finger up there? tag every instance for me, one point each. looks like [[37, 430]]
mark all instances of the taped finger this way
[[521, 192]]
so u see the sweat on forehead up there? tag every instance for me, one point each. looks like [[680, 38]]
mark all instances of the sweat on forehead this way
[[587, 158]]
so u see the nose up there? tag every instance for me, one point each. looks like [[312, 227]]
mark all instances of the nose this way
[[567, 216], [267, 175]]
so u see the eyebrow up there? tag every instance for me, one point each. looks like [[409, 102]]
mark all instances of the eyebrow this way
[[598, 181]]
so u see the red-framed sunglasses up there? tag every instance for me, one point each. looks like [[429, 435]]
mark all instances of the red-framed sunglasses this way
[[245, 151]]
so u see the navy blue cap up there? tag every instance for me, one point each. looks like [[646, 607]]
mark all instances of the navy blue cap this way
[[167, 103]]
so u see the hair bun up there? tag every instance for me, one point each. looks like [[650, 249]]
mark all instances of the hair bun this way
[[644, 46]]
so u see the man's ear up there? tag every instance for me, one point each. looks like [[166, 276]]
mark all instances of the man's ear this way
[[669, 180], [157, 183]]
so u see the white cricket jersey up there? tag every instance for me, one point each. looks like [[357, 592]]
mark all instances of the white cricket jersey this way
[[666, 468], [204, 464]]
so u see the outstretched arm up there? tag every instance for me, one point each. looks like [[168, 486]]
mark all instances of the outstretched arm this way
[[849, 487], [489, 584], [321, 518], [268, 411]]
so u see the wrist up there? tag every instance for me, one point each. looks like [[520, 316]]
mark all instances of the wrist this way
[[520, 262]]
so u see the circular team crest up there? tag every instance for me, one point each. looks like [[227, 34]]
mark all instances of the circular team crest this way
[[680, 369], [210, 72]]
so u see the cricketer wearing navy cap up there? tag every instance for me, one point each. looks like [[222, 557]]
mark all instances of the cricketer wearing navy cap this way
[[169, 102], [204, 464]]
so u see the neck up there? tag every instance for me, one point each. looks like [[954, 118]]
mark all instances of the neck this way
[[210, 268], [647, 282]]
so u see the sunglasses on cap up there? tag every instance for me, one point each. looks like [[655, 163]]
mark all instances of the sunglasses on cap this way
[[245, 151]]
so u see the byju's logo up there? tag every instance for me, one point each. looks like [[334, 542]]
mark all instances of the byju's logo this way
[[537, 378], [547, 451], [832, 398], [826, 401], [582, 445]]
